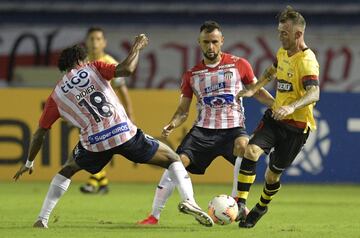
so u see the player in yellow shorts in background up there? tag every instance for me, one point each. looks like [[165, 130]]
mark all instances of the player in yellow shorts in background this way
[[96, 44]]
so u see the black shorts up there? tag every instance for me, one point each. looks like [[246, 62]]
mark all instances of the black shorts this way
[[203, 145], [286, 140], [139, 149]]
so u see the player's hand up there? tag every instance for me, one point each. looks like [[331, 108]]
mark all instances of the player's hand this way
[[167, 130], [282, 112], [141, 41], [23, 169], [245, 93]]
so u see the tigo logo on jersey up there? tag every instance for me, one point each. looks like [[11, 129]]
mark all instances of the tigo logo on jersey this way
[[80, 80]]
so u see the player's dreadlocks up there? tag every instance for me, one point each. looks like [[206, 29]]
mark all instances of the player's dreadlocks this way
[[71, 56], [209, 26], [289, 13]]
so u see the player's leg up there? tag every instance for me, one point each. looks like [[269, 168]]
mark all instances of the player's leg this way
[[240, 144], [163, 191], [263, 139], [97, 183], [165, 157], [81, 159], [238, 151], [281, 158], [199, 148], [144, 149], [247, 171], [58, 187], [103, 183]]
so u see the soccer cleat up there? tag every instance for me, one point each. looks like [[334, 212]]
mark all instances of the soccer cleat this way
[[253, 217], [88, 189], [150, 220], [242, 213], [40, 224], [194, 210], [103, 189]]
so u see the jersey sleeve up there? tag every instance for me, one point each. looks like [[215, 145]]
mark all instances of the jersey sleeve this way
[[309, 72], [186, 89], [246, 71], [106, 70], [50, 114]]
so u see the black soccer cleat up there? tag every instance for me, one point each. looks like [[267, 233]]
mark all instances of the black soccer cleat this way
[[253, 217], [88, 189], [104, 189]]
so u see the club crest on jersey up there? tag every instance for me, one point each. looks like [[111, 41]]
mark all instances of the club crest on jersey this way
[[219, 100], [284, 86], [228, 75], [80, 80], [290, 74]]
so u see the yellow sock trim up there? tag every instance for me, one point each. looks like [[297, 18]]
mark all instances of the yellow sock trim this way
[[243, 195], [93, 182], [100, 175], [262, 204], [267, 197], [271, 191], [104, 182], [246, 178]]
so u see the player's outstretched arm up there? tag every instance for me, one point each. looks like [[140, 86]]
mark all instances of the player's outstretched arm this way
[[36, 143], [266, 77], [128, 66], [264, 97], [312, 95], [179, 117]]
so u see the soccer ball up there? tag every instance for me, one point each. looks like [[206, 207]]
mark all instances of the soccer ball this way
[[223, 209]]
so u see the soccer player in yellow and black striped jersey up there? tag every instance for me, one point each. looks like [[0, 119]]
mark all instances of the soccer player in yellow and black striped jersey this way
[[96, 44], [286, 126]]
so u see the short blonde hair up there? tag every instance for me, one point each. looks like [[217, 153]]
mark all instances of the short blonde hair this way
[[290, 14]]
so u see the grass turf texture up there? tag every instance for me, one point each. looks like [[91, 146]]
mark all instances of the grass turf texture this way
[[297, 211]]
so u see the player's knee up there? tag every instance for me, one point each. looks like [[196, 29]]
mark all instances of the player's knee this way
[[69, 170], [168, 153], [252, 152], [185, 160], [239, 147], [172, 156], [271, 177]]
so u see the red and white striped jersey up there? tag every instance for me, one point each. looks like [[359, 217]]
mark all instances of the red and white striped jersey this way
[[215, 89], [85, 98]]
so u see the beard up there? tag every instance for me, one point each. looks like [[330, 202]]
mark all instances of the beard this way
[[211, 58]]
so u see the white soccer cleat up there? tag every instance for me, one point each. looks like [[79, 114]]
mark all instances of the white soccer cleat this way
[[40, 224], [194, 210]]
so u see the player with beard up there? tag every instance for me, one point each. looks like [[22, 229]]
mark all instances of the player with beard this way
[[219, 129]]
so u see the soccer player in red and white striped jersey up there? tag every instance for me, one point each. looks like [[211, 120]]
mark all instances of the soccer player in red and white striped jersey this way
[[219, 129], [85, 98]]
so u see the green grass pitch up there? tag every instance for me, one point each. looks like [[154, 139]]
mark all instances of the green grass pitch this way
[[297, 211]]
